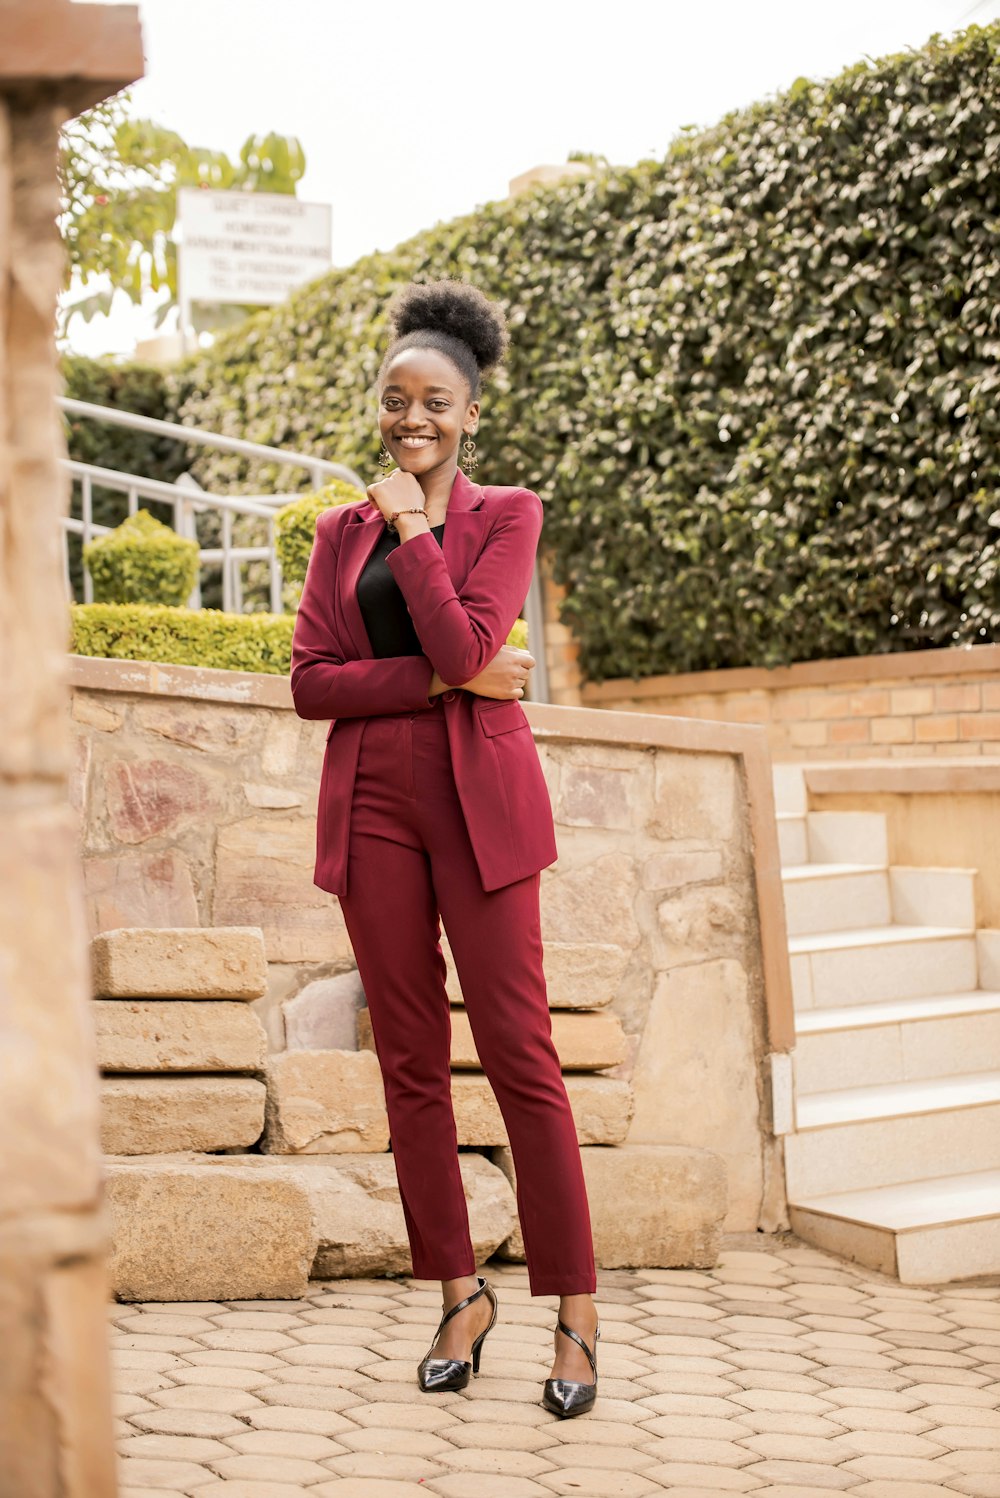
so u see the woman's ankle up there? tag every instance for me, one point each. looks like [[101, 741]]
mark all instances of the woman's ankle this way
[[581, 1306], [454, 1290]]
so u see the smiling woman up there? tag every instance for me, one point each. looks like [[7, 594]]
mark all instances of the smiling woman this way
[[433, 805]]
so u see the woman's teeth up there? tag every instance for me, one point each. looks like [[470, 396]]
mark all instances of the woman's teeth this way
[[415, 441]]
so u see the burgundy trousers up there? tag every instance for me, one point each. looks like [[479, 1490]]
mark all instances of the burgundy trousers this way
[[410, 862]]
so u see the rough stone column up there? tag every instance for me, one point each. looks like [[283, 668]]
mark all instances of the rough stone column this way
[[55, 1414]]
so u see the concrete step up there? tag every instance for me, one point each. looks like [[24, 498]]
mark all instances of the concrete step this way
[[847, 837], [859, 1137], [841, 896], [835, 897], [789, 788], [869, 965], [859, 1045], [893, 1099], [932, 896], [793, 844], [924, 1232]]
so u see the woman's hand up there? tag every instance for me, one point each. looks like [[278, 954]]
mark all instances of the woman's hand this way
[[397, 491], [505, 676]]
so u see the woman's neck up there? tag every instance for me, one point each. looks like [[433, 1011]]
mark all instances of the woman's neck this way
[[437, 489]]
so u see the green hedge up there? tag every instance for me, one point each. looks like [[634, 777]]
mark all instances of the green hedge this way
[[183, 637], [754, 382], [194, 637]]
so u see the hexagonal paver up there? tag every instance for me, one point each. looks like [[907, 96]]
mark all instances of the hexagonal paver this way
[[783, 1371]]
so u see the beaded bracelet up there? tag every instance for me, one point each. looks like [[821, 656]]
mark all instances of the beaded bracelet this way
[[391, 522]]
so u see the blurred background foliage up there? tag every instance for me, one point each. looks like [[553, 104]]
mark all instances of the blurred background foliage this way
[[754, 382]]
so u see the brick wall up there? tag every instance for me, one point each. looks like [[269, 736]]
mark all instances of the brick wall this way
[[922, 704]]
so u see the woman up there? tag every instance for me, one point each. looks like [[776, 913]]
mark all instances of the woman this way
[[433, 804]]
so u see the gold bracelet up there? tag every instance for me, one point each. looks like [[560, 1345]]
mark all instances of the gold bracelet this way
[[391, 522]]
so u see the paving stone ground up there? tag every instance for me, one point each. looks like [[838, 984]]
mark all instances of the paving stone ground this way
[[783, 1371]]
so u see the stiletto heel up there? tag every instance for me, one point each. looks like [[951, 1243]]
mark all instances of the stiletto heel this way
[[439, 1375], [564, 1396]]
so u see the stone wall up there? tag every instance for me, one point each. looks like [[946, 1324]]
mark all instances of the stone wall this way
[[197, 792]]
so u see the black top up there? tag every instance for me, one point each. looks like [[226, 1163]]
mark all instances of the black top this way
[[383, 607]]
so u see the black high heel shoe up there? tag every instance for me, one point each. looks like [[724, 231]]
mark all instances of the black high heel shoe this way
[[438, 1375], [564, 1396]]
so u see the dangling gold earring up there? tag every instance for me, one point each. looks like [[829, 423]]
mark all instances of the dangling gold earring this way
[[385, 459], [469, 460]]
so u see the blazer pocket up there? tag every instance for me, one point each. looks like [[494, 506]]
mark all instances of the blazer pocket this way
[[502, 718]]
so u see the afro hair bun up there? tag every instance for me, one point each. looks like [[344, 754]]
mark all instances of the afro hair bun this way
[[456, 309]]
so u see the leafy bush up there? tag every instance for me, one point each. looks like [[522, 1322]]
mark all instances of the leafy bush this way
[[295, 526], [142, 388], [755, 382], [142, 561]]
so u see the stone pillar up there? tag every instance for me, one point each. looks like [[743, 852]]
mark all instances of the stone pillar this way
[[56, 59]]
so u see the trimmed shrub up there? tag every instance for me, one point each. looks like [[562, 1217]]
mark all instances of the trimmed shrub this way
[[183, 637], [142, 561], [194, 637], [295, 526]]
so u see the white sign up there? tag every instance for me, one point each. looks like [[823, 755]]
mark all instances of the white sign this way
[[251, 247]]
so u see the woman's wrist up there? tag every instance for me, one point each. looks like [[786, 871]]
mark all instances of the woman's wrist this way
[[408, 525], [438, 686]]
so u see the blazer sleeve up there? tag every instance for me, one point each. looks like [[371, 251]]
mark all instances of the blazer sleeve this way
[[462, 632], [325, 684]]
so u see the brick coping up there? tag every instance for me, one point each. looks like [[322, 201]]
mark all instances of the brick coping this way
[[956, 660], [548, 722], [904, 777]]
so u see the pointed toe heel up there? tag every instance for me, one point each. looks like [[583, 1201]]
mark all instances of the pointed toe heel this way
[[565, 1396], [442, 1375]]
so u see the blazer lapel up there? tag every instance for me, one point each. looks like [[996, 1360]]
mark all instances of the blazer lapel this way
[[465, 525]]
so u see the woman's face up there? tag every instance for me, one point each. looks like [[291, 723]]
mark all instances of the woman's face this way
[[424, 410]]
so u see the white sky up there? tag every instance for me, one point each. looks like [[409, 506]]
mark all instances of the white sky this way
[[410, 114]]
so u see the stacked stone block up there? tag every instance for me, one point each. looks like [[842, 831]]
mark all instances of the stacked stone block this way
[[231, 1173], [183, 1059], [182, 1056]]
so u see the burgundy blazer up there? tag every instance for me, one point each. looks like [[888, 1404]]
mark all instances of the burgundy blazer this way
[[463, 596]]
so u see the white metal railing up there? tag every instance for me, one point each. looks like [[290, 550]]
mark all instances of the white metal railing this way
[[319, 468], [187, 498]]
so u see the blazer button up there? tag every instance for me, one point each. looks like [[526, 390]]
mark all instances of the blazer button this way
[[448, 696]]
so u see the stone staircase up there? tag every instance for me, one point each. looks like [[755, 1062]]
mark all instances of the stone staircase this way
[[895, 1155], [235, 1173], [231, 1172]]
